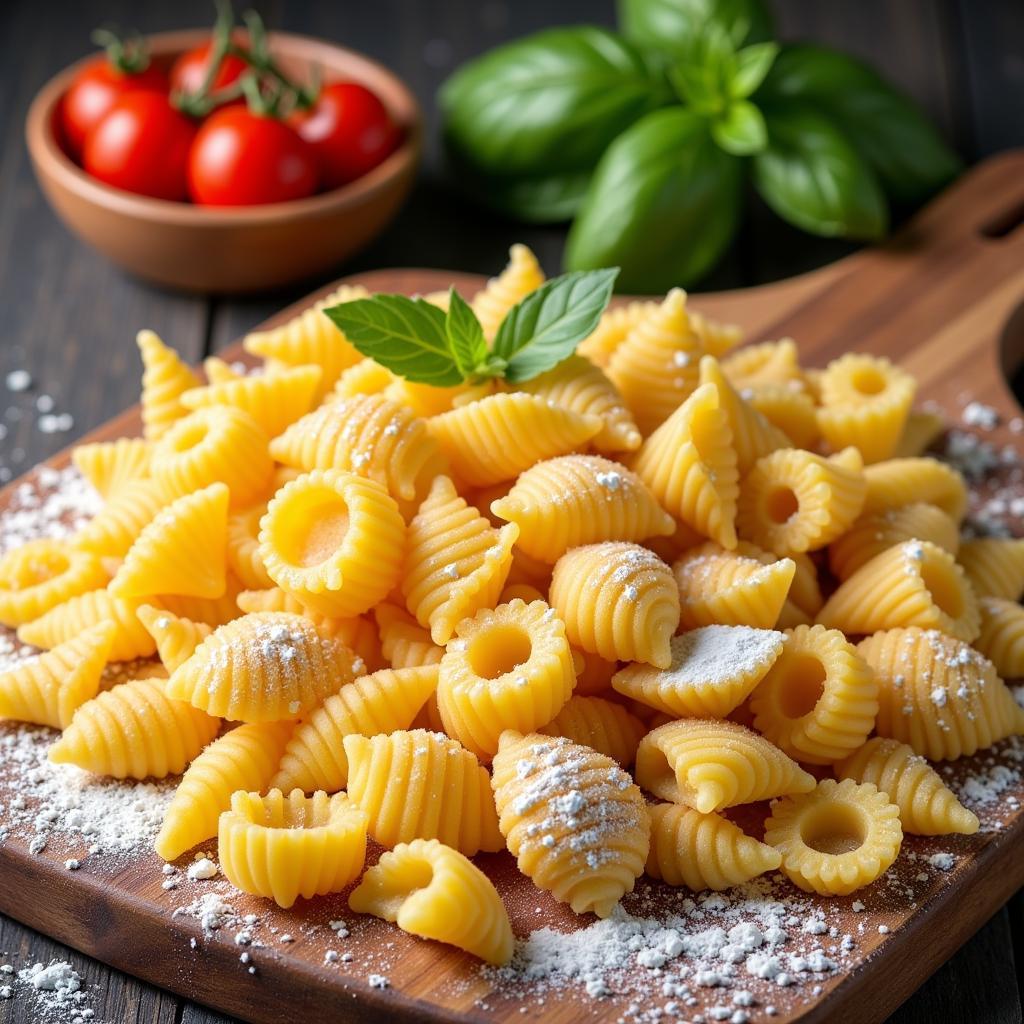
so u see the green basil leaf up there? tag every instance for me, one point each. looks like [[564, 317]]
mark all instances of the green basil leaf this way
[[666, 25], [703, 77], [810, 175], [907, 153], [406, 335], [466, 340], [548, 103], [741, 129], [752, 66], [549, 323], [663, 205]]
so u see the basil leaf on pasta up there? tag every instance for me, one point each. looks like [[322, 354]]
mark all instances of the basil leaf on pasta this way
[[466, 339]]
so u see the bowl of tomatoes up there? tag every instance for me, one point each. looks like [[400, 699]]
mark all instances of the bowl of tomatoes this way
[[225, 167]]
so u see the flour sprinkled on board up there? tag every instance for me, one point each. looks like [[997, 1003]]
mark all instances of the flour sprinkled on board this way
[[716, 654]]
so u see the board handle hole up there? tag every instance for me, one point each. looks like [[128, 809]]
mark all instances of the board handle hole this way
[[1004, 223]]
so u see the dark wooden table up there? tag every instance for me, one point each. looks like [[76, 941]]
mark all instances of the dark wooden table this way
[[69, 318]]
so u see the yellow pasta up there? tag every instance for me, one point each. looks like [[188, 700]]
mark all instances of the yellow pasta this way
[[521, 276], [1001, 639], [593, 673], [616, 323], [717, 338], [994, 566], [41, 574], [243, 547], [804, 592], [113, 530], [286, 847], [600, 724], [898, 482], [218, 371], [367, 377], [109, 465], [789, 407], [176, 638], [213, 611], [922, 429], [165, 379], [771, 362], [403, 642]]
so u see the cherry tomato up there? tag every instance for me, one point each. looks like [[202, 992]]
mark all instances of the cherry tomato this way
[[188, 72], [142, 145], [350, 130], [93, 92], [243, 159]]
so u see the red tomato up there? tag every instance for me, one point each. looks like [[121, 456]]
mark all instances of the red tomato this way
[[189, 71], [350, 130], [245, 159], [142, 145], [93, 92]]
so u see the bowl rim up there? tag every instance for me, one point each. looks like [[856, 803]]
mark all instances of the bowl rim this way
[[51, 160]]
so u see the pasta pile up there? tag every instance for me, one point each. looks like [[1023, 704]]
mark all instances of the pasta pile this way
[[579, 621]]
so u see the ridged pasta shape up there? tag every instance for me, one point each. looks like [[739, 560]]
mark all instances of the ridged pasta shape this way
[[836, 839], [113, 530], [103, 736], [219, 443], [602, 725], [915, 583], [497, 437], [873, 533], [109, 465], [615, 324], [794, 500], [865, 402], [938, 695], [429, 716], [819, 700], [521, 276], [182, 551], [49, 689], [165, 378], [922, 429], [572, 818], [242, 759], [369, 435], [703, 851], [213, 611], [510, 668], [805, 591], [593, 673], [243, 547], [788, 407], [434, 892], [573, 500], [335, 540], [262, 667], [67, 620], [927, 806], [617, 600], [455, 562], [283, 847], [422, 785], [384, 702], [771, 362], [713, 670], [1001, 639], [403, 641], [176, 638], [40, 574], [717, 338], [656, 366], [898, 482], [709, 765], [218, 370], [994, 566], [367, 377]]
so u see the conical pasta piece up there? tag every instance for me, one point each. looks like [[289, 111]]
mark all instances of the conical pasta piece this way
[[218, 371], [49, 689], [920, 432], [499, 436], [703, 851], [521, 276], [579, 385], [674, 546], [182, 551], [805, 591], [717, 338], [994, 566], [1001, 639], [421, 785], [403, 642], [242, 759], [771, 362], [286, 847], [915, 583], [938, 695], [335, 540], [40, 574], [165, 379], [820, 698], [383, 702], [243, 547], [510, 668], [176, 638], [657, 365], [871, 534], [789, 407], [367, 377], [794, 500], [109, 465], [573, 820], [213, 611], [927, 806], [615, 324], [103, 736], [432, 891], [709, 765], [904, 481], [455, 563], [617, 600], [713, 670], [593, 673], [113, 530], [600, 724], [689, 463], [425, 400], [573, 500], [836, 839], [429, 716]]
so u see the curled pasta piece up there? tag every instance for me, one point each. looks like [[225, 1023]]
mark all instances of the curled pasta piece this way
[[1001, 639], [40, 574], [718, 338], [898, 482], [994, 566], [837, 838], [435, 892], [286, 847], [215, 611], [113, 530], [789, 407], [367, 377], [218, 370], [572, 818], [804, 592], [615, 324], [403, 641], [600, 724], [709, 765], [920, 432], [771, 362], [243, 547], [521, 276], [109, 465], [176, 638], [165, 379], [617, 600], [593, 673]]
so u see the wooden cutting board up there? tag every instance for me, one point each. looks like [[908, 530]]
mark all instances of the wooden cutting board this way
[[945, 299]]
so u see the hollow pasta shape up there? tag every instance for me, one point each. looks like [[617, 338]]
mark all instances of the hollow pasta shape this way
[[920, 432], [403, 641], [898, 482], [286, 847], [109, 465], [709, 765], [243, 547], [771, 362], [40, 574], [521, 276], [837, 838], [215, 611], [804, 592], [572, 818], [611, 331], [994, 566], [789, 407], [602, 725], [113, 530], [367, 377], [176, 637], [165, 378], [1001, 639]]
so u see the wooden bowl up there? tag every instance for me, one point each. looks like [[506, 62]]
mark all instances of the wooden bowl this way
[[231, 249]]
